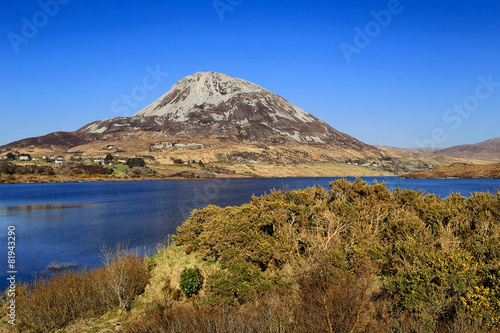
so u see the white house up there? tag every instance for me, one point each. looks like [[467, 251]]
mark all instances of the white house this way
[[24, 158]]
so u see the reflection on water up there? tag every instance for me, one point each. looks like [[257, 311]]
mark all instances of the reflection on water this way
[[34, 208]]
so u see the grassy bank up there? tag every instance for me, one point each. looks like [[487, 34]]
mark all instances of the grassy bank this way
[[352, 258]]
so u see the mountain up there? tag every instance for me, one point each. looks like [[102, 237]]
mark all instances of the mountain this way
[[486, 151], [213, 116], [207, 104]]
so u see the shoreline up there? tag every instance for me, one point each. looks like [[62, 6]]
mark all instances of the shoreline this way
[[100, 180]]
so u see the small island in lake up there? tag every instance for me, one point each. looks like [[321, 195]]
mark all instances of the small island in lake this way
[[458, 170]]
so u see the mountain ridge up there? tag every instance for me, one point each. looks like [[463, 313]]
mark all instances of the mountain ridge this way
[[488, 151]]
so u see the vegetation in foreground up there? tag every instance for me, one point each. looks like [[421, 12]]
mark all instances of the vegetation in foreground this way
[[52, 302], [353, 258]]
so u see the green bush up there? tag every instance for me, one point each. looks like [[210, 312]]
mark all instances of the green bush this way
[[191, 281], [135, 162]]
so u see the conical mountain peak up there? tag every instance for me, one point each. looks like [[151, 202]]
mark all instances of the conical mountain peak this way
[[211, 104], [202, 88]]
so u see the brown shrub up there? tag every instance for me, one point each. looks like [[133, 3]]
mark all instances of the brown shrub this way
[[333, 300], [52, 302], [189, 249], [126, 275], [269, 315]]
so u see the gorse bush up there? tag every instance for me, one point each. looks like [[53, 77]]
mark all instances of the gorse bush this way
[[191, 281], [430, 264]]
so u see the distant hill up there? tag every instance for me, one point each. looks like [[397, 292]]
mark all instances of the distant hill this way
[[483, 152], [487, 151], [458, 170]]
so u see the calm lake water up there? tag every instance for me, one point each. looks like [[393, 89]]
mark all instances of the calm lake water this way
[[70, 222]]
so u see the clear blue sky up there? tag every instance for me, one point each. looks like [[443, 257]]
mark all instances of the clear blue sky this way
[[401, 73]]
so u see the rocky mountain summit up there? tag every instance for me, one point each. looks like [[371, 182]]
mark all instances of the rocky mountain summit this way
[[214, 104]]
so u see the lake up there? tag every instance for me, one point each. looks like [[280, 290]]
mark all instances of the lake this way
[[70, 222]]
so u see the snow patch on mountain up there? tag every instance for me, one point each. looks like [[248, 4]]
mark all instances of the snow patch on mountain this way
[[94, 128]]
